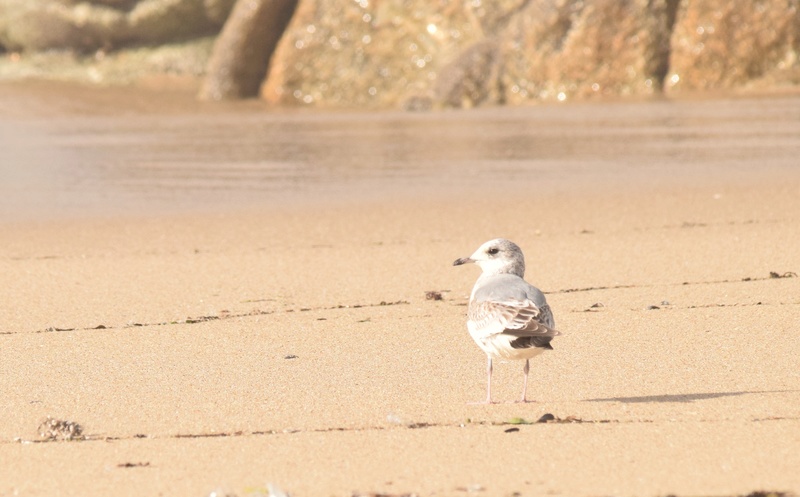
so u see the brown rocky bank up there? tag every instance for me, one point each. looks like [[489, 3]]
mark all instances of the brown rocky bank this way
[[419, 54]]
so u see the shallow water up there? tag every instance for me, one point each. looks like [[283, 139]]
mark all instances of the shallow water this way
[[80, 152]]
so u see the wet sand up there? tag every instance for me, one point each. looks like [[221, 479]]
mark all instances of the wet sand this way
[[218, 332]]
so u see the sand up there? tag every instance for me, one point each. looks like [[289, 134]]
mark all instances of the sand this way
[[294, 345]]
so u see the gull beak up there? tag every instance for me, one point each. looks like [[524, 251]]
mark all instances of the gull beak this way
[[463, 260]]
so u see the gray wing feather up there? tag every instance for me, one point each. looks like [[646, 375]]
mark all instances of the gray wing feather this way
[[503, 287], [546, 316], [512, 317]]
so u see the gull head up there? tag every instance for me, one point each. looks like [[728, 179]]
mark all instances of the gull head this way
[[498, 256]]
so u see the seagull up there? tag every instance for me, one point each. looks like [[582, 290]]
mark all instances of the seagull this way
[[507, 317]]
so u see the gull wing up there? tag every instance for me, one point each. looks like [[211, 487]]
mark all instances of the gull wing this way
[[517, 318]]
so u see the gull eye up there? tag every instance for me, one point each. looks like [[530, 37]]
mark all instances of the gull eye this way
[[493, 251]]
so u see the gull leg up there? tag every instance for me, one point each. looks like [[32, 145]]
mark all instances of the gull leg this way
[[525, 383], [489, 380]]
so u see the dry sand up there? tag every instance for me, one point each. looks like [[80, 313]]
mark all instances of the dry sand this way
[[295, 346]]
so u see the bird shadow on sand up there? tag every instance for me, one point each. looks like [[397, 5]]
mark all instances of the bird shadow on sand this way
[[686, 397]]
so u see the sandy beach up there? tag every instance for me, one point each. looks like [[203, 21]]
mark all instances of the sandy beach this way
[[208, 344]]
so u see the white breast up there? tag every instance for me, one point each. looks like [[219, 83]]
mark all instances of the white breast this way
[[498, 345]]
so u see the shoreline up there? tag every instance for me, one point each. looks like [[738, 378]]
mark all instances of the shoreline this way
[[87, 156]]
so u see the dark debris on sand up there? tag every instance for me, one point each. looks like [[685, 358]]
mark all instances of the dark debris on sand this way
[[433, 295]]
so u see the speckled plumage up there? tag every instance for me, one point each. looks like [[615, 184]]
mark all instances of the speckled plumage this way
[[507, 317]]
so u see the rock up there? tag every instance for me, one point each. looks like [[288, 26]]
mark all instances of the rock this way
[[370, 54], [720, 44], [161, 21], [32, 25], [473, 78], [36, 25], [346, 53], [218, 10], [473, 53], [574, 49], [117, 4], [420, 55], [243, 50]]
